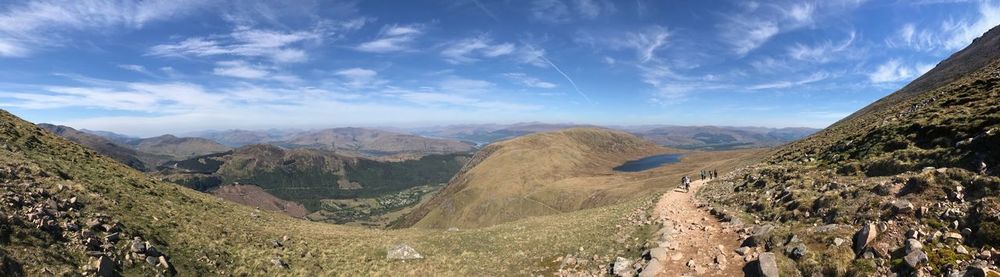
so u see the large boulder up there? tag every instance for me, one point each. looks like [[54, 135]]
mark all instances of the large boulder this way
[[652, 269], [916, 259], [767, 265], [758, 236], [402, 252], [864, 237], [105, 267], [622, 267], [912, 245]]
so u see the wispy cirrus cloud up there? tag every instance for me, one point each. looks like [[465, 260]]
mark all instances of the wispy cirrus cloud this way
[[815, 77], [822, 52], [277, 46], [393, 38], [895, 70], [950, 35], [470, 49], [558, 11], [26, 26], [753, 24], [529, 81]]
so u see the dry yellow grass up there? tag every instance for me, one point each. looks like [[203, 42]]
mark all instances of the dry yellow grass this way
[[552, 173]]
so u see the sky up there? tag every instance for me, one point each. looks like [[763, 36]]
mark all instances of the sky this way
[[146, 68]]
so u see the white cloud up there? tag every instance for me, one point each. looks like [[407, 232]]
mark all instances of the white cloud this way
[[557, 11], [823, 52], [532, 55], [392, 38], [951, 35], [590, 9], [815, 77], [891, 71], [42, 23], [963, 33], [358, 77], [457, 85], [529, 81], [646, 43], [11, 49], [133, 67], [239, 69], [754, 24], [278, 46], [802, 12], [551, 11], [465, 50]]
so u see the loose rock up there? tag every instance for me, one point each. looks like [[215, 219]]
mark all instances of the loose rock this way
[[403, 252]]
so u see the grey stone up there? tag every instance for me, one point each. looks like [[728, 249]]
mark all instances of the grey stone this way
[[138, 246], [402, 252], [916, 259], [651, 269], [277, 261], [961, 250], [743, 250], [658, 253], [912, 245], [864, 237], [838, 241], [105, 267], [799, 251], [759, 236], [767, 265], [622, 267], [902, 206], [151, 260]]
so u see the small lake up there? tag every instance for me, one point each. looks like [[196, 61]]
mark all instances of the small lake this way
[[649, 162]]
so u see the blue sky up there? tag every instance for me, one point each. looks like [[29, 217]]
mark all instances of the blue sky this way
[[152, 67]]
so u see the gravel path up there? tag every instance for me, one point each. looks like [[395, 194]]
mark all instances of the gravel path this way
[[693, 242]]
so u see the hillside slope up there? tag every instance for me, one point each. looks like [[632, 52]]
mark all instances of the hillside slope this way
[[375, 143], [314, 177], [917, 168], [133, 158], [983, 51], [37, 166], [720, 138], [538, 174], [178, 148]]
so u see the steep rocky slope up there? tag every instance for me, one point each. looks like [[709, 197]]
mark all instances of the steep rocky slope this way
[[133, 158], [908, 185], [538, 174]]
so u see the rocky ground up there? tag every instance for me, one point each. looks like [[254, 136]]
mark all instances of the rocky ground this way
[[32, 211], [936, 222]]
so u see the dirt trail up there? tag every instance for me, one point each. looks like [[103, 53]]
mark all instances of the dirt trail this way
[[693, 242]]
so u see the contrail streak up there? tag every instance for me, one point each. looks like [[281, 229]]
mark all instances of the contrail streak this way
[[485, 10], [567, 78]]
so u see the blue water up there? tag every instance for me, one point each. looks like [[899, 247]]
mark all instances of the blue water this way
[[649, 162]]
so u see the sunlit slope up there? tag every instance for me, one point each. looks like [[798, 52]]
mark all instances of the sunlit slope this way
[[917, 160], [204, 235], [538, 174]]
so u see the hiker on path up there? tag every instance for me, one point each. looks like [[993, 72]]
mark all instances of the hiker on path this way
[[702, 175], [686, 183], [715, 174]]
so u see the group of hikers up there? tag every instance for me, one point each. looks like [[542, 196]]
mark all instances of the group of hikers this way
[[709, 174]]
